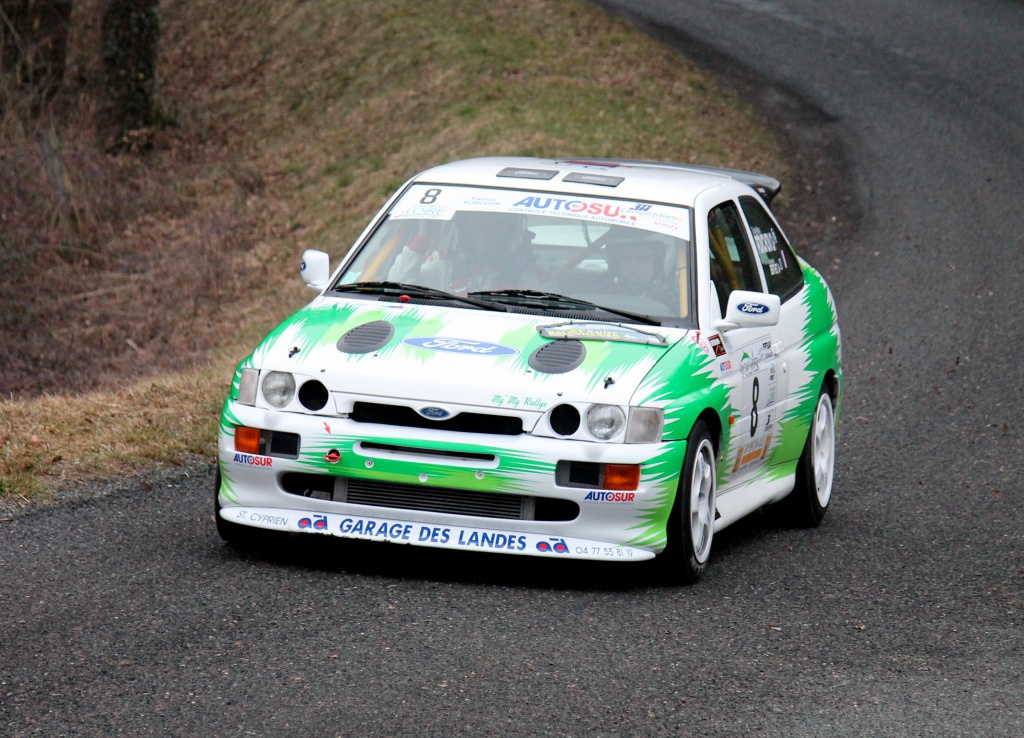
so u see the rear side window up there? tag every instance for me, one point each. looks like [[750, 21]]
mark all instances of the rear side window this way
[[781, 268]]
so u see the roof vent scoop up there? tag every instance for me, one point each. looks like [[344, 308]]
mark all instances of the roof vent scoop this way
[[558, 357], [366, 337]]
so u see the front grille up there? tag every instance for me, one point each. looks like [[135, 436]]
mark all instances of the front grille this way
[[429, 499], [417, 451], [318, 486], [435, 499], [372, 412]]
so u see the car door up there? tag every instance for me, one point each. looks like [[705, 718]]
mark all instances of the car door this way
[[783, 277], [745, 358]]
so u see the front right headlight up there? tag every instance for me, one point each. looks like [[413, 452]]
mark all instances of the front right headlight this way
[[605, 421], [278, 388], [645, 425]]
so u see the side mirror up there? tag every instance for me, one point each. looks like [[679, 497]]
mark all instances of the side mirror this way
[[315, 268], [750, 310]]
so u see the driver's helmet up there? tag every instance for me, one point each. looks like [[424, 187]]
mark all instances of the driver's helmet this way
[[487, 234], [638, 263]]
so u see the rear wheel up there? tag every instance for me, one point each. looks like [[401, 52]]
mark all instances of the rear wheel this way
[[692, 523], [808, 502]]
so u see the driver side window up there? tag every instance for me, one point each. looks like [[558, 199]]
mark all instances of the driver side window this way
[[732, 263]]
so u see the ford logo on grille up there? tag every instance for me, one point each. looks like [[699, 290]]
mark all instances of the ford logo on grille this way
[[460, 346], [434, 413], [754, 308]]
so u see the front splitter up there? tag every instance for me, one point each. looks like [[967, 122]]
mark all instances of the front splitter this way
[[453, 537]]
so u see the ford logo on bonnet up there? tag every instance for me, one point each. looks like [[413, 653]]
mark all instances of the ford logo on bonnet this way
[[434, 413], [754, 308], [460, 346]]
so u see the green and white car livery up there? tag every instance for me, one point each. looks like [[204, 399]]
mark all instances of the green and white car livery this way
[[563, 358]]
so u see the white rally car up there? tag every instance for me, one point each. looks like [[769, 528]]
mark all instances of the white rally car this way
[[573, 359]]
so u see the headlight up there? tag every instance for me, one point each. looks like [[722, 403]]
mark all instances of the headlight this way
[[605, 421], [278, 388], [247, 386], [645, 425]]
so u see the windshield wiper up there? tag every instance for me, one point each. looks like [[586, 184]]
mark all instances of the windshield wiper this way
[[526, 297], [414, 290]]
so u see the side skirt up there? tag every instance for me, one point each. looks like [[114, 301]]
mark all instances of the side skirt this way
[[739, 502]]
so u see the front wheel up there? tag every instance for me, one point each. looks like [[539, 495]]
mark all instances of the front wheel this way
[[808, 502], [692, 522]]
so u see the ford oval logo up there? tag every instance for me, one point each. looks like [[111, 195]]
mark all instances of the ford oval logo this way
[[434, 413], [754, 308], [460, 346]]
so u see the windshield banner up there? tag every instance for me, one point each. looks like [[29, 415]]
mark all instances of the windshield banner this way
[[429, 202]]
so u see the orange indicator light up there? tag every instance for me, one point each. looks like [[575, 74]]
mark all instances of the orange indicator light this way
[[247, 440], [622, 477]]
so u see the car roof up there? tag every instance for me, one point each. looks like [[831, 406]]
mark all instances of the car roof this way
[[619, 178]]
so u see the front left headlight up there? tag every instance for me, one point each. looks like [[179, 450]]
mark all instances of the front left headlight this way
[[278, 388], [645, 425], [605, 421], [247, 386]]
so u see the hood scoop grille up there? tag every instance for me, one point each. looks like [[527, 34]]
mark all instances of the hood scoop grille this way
[[366, 337], [558, 357]]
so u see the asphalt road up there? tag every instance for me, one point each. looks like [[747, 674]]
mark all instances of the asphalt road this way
[[901, 616]]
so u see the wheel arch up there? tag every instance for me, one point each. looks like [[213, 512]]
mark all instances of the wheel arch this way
[[833, 385], [714, 423]]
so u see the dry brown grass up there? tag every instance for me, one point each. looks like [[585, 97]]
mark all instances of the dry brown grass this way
[[292, 123]]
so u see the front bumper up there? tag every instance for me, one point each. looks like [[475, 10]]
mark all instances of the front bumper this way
[[626, 526]]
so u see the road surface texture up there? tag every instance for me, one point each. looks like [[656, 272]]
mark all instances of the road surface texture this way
[[123, 614]]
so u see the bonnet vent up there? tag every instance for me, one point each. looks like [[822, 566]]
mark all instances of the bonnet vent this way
[[366, 337], [558, 356]]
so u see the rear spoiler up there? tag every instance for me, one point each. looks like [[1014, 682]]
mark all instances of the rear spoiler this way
[[767, 187]]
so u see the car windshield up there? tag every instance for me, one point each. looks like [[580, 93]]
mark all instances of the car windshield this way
[[531, 248]]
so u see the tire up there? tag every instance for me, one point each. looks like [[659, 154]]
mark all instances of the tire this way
[[692, 522], [235, 535], [808, 502]]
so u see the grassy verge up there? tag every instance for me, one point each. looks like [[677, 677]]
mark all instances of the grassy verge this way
[[294, 122], [51, 440]]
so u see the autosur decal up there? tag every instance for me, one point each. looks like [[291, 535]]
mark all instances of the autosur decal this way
[[610, 497], [558, 204], [250, 460]]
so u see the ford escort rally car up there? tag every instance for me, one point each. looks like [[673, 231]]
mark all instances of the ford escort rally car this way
[[595, 359]]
